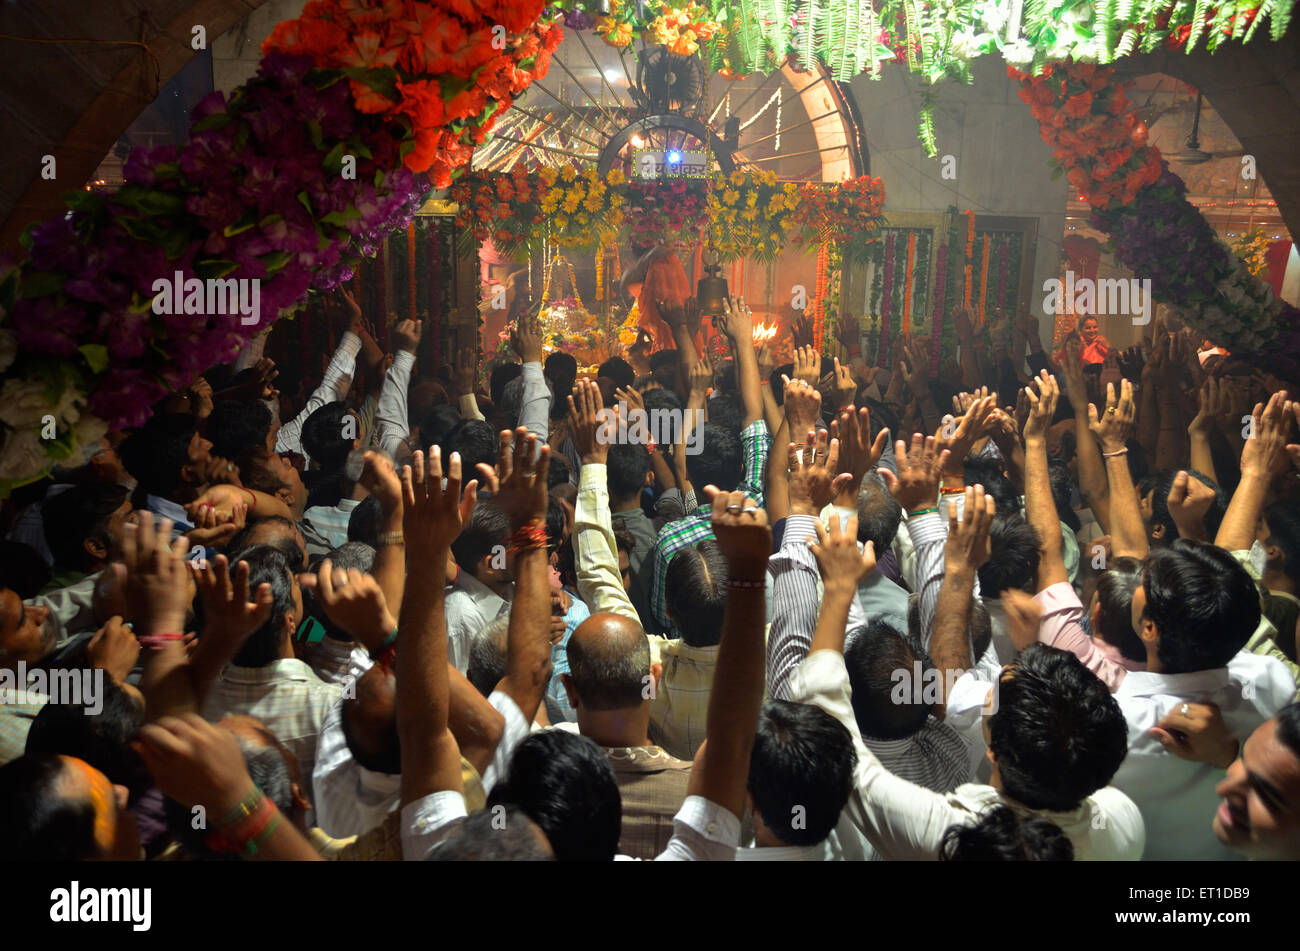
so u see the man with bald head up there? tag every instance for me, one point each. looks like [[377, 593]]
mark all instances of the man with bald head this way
[[610, 684]]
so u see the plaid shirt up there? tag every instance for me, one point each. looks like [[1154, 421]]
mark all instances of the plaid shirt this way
[[679, 710], [693, 529]]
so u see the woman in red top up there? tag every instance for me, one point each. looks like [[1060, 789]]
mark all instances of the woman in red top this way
[[658, 275]]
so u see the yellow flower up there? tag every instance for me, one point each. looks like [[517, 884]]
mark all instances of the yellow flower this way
[[568, 174], [616, 176], [749, 214], [730, 195], [561, 222], [547, 175], [737, 177]]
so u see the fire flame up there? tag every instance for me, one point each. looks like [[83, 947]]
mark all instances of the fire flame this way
[[764, 332]]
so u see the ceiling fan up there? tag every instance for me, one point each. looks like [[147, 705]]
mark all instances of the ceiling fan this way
[[1194, 154]]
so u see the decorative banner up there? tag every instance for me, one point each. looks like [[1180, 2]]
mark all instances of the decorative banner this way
[[909, 277]]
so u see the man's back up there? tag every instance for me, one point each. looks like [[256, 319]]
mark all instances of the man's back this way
[[1177, 796], [652, 785]]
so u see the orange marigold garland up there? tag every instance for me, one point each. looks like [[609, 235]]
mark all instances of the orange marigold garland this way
[[908, 284]]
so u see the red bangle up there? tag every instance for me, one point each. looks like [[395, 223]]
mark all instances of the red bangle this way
[[157, 641], [529, 536]]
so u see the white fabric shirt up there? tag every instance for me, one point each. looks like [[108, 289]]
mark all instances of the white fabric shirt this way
[[350, 799], [342, 364], [904, 821], [703, 831], [1177, 797], [391, 425], [470, 606]]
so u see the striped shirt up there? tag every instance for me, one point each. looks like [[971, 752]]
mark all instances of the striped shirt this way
[[693, 529], [286, 695]]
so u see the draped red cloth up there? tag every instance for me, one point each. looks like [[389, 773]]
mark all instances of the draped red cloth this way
[[665, 280]]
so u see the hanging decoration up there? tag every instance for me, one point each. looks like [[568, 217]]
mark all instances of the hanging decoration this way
[[750, 213], [582, 211], [1100, 143], [848, 213], [910, 278]]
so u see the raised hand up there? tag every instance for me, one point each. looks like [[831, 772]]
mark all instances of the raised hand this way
[[672, 312], [1189, 499], [846, 388], [211, 530], [157, 584], [765, 362], [228, 612], [813, 478], [802, 330], [808, 365], [739, 321], [701, 377], [1113, 428], [464, 373], [919, 472], [1042, 406], [522, 494], [741, 529], [354, 601], [848, 333], [803, 405], [842, 565], [433, 514], [1196, 732], [114, 649], [1265, 449], [379, 478], [526, 337], [858, 454], [968, 537], [590, 435], [406, 336], [195, 762]]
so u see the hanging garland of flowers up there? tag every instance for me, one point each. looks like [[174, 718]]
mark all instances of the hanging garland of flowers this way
[[848, 214], [582, 210], [1154, 231], [505, 208], [668, 213], [909, 281], [750, 214], [289, 182]]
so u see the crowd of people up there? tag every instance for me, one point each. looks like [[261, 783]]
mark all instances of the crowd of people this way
[[1037, 605]]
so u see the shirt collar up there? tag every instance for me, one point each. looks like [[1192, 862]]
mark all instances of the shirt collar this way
[[783, 853], [285, 668], [167, 508], [1144, 683]]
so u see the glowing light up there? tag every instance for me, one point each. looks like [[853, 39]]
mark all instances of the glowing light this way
[[674, 157], [637, 140], [764, 332]]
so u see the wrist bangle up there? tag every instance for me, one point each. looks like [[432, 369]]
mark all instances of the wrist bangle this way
[[529, 536], [931, 510], [392, 538], [158, 641], [764, 382], [1117, 452], [953, 490], [243, 809]]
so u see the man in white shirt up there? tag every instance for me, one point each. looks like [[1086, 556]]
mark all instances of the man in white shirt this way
[[484, 587], [1194, 610]]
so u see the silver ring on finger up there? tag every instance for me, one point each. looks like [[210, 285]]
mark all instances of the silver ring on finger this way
[[751, 510], [733, 509]]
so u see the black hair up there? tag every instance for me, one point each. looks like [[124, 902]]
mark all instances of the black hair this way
[[234, 425], [286, 541], [487, 655], [879, 513], [695, 592], [884, 708], [156, 453], [980, 628], [558, 472], [1057, 734], [436, 424], [778, 385], [1283, 520], [267, 565], [37, 822], [323, 438], [1164, 481], [375, 745], [556, 524], [987, 471], [488, 527], [1014, 549], [476, 442], [1060, 482], [350, 555], [564, 783], [606, 679], [801, 771], [270, 773], [499, 376], [1202, 601], [1115, 587], [23, 570], [1288, 727], [618, 370], [500, 834], [100, 740], [626, 468], [561, 363], [78, 515], [365, 521], [1002, 836], [725, 410], [721, 461]]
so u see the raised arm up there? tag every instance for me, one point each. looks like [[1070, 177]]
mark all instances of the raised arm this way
[[966, 548], [720, 775], [1112, 430], [522, 472], [391, 425], [379, 478], [916, 489], [1264, 453], [842, 567], [1040, 508], [1092, 469], [739, 328], [599, 582], [433, 518]]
